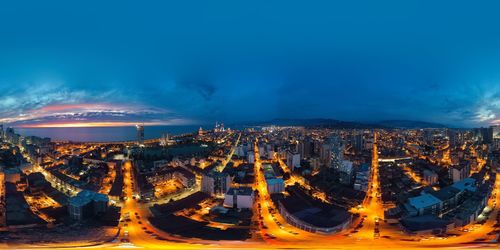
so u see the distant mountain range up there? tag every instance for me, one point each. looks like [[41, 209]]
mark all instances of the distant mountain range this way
[[332, 123], [410, 124]]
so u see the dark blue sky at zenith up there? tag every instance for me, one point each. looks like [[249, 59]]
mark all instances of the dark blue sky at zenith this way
[[195, 62]]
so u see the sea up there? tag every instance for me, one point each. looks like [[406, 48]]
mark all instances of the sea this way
[[105, 134]]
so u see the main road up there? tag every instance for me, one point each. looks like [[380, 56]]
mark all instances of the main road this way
[[136, 232]]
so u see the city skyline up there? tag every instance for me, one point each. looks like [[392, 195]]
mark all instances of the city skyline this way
[[67, 66], [223, 124]]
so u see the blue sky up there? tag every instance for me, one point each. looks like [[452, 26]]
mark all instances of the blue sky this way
[[195, 62]]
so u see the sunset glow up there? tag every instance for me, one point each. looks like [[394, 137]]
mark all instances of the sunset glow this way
[[90, 124], [250, 125]]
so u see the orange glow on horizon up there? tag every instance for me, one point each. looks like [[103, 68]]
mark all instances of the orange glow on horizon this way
[[89, 124]]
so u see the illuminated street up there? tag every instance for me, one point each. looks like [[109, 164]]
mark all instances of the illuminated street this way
[[250, 125]]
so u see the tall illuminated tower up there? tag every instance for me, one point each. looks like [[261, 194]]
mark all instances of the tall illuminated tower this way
[[140, 134]]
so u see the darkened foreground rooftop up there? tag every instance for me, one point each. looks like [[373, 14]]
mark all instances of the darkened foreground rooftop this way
[[313, 211]]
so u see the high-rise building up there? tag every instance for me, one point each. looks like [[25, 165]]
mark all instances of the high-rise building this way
[[306, 148], [487, 134], [292, 160], [215, 183], [362, 177], [140, 134], [496, 131], [453, 137], [345, 170], [11, 136], [324, 154], [337, 152], [428, 135], [459, 172], [483, 135], [357, 142]]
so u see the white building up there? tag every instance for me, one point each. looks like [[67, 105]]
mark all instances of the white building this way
[[292, 160], [241, 197], [250, 157], [362, 176], [275, 185], [459, 172]]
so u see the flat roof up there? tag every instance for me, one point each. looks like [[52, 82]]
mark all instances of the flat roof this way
[[274, 181], [240, 191], [312, 211], [423, 201], [465, 184], [445, 193]]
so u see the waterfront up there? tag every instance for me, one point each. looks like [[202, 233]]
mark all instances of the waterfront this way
[[100, 134]]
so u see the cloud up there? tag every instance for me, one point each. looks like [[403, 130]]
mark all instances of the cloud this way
[[488, 108], [48, 105]]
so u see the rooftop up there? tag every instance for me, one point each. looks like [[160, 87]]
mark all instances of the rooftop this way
[[274, 181], [312, 211], [465, 184], [445, 193], [240, 191], [423, 201], [86, 196]]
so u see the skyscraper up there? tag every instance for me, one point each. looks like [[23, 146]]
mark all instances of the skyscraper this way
[[306, 147], [140, 134], [452, 137], [496, 131], [487, 134]]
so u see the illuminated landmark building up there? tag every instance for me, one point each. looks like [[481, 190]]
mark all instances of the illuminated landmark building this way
[[140, 134]]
